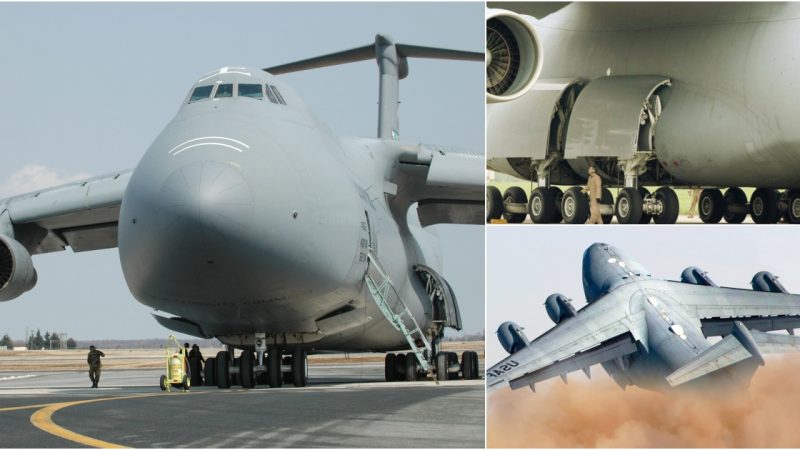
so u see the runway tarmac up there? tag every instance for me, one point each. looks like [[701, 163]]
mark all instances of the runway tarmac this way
[[343, 406]]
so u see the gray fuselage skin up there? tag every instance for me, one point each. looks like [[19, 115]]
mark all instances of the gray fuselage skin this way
[[730, 117], [670, 337], [248, 216]]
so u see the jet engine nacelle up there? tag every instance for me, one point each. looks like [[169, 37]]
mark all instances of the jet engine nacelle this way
[[511, 337], [17, 274], [513, 55], [767, 282], [559, 308], [695, 275]]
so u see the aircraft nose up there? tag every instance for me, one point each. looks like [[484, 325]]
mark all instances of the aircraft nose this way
[[203, 202]]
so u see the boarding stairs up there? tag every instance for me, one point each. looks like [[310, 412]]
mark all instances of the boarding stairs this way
[[397, 313]]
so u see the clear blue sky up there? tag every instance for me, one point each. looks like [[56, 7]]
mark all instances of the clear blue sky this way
[[527, 264], [87, 87]]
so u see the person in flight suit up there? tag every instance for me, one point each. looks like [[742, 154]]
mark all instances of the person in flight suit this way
[[94, 364], [594, 188]]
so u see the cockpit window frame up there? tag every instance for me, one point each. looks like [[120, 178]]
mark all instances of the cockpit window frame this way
[[232, 91], [211, 90], [239, 93]]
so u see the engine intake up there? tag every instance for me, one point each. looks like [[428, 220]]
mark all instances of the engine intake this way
[[767, 282], [17, 274], [695, 275], [511, 337], [559, 308], [513, 55]]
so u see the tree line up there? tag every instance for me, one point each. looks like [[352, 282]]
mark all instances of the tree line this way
[[50, 340]]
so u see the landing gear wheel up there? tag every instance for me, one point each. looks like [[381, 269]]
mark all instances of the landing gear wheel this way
[[467, 366], [210, 372], [711, 206], [162, 383], [442, 360], [299, 367], [494, 203], [671, 206], [792, 213], [246, 374], [452, 359], [734, 197], [287, 376], [400, 367], [764, 206], [629, 206], [223, 370], [607, 198], [514, 194], [388, 366], [274, 375], [575, 206], [557, 196], [542, 205], [644, 193], [412, 368], [185, 384]]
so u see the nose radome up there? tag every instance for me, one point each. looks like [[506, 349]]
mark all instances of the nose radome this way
[[205, 202]]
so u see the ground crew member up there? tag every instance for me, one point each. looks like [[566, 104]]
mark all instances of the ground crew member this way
[[196, 361], [695, 193], [594, 188], [94, 364]]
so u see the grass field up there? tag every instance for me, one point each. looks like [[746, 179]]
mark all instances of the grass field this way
[[683, 194]]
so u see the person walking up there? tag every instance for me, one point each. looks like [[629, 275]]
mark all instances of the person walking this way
[[594, 187], [94, 364]]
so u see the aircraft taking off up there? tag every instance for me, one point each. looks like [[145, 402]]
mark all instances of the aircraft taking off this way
[[652, 333], [250, 221], [657, 94]]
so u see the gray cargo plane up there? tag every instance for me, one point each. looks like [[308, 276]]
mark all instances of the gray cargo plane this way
[[250, 221], [658, 94], [652, 333]]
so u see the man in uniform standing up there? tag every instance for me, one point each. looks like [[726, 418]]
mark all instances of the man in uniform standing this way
[[94, 364], [594, 188]]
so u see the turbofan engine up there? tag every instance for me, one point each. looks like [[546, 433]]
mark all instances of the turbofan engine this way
[[559, 308], [511, 337], [695, 275], [767, 282], [513, 55], [17, 274]]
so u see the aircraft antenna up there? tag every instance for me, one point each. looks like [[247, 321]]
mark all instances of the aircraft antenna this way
[[392, 62]]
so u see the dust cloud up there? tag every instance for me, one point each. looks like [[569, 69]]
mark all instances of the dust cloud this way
[[597, 413]]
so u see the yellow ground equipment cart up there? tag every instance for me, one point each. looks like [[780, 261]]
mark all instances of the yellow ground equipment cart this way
[[177, 366]]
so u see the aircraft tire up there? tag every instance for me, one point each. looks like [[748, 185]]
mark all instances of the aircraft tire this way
[[466, 365], [607, 198], [710, 205], [514, 194], [669, 200], [542, 205], [734, 196], [442, 360], [792, 214], [557, 196], [400, 367], [388, 366], [223, 370], [575, 206], [246, 375], [764, 206], [274, 375], [629, 206], [476, 366], [644, 193], [210, 372], [452, 359], [412, 368], [287, 376], [494, 203], [299, 367]]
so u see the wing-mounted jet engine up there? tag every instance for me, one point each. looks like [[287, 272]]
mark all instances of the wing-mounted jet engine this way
[[559, 308], [513, 55], [767, 282], [17, 274], [696, 275], [511, 337]]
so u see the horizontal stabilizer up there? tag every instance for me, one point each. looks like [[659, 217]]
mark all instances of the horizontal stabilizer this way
[[741, 344]]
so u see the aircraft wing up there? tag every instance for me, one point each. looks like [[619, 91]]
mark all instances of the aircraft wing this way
[[81, 214], [718, 308], [602, 331], [447, 184]]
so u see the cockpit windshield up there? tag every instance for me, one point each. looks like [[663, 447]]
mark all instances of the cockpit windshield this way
[[251, 91], [224, 90], [200, 93]]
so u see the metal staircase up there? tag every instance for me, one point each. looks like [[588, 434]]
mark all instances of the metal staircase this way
[[389, 302]]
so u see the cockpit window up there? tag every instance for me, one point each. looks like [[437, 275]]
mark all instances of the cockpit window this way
[[278, 94], [200, 93], [251, 90], [271, 95], [224, 90]]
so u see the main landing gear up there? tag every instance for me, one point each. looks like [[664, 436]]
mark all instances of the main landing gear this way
[[765, 206], [248, 369], [405, 367]]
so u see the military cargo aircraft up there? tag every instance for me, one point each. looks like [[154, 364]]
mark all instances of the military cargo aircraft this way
[[249, 220], [652, 333], [657, 94]]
